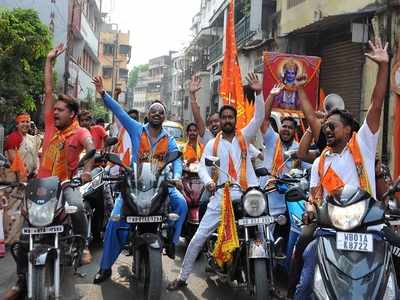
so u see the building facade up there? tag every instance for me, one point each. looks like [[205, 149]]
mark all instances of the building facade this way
[[79, 22], [114, 56]]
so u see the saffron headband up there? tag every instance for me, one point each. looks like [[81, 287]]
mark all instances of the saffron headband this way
[[23, 118]]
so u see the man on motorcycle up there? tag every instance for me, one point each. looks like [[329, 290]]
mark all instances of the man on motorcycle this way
[[232, 149], [64, 140], [213, 124], [349, 158], [149, 140]]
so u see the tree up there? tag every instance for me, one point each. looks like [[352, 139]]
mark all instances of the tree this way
[[134, 73], [24, 44]]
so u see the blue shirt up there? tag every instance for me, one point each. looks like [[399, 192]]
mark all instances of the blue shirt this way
[[135, 130]]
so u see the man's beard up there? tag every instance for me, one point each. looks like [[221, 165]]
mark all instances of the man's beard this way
[[228, 129]]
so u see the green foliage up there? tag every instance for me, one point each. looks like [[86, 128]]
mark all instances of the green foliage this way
[[134, 73], [97, 108], [24, 44]]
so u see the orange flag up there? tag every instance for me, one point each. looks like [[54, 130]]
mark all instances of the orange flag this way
[[331, 181], [231, 89], [321, 99], [126, 160], [18, 166], [227, 240]]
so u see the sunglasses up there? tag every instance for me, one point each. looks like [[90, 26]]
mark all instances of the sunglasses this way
[[332, 126]]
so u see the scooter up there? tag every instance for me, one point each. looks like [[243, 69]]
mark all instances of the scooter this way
[[354, 258], [193, 188]]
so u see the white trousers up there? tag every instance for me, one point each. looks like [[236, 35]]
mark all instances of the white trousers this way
[[207, 226]]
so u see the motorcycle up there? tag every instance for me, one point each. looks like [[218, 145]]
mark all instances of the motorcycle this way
[[354, 258], [193, 188], [144, 190], [96, 209], [253, 261], [51, 242]]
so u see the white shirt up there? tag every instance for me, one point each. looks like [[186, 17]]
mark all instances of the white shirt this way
[[233, 148], [207, 136], [253, 151], [343, 164]]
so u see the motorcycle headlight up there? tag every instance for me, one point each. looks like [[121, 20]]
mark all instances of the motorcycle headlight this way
[[349, 217], [390, 292], [254, 203], [41, 215], [319, 287]]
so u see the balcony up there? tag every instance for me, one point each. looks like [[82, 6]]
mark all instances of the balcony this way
[[216, 50], [242, 31]]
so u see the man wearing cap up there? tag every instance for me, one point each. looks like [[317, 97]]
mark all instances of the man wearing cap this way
[[149, 141]]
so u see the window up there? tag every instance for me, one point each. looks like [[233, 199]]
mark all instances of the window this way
[[123, 73], [108, 49], [125, 49], [291, 3], [107, 72]]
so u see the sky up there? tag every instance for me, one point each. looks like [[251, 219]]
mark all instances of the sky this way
[[156, 26]]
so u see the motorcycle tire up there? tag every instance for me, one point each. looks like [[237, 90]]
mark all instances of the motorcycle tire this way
[[41, 282], [262, 286], [151, 273]]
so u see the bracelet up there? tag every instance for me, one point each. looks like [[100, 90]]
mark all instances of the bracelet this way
[[309, 130]]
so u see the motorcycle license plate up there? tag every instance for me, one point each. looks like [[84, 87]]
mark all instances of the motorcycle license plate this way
[[43, 230], [354, 241], [266, 220], [149, 219]]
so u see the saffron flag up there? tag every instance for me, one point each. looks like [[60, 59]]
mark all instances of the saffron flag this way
[[231, 89], [18, 166], [284, 68], [228, 239], [126, 160]]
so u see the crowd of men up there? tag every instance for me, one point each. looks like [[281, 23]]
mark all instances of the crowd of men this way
[[345, 152]]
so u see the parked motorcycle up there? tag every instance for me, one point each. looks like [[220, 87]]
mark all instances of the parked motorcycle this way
[[253, 261], [51, 241], [193, 188], [144, 190], [96, 208], [354, 260]]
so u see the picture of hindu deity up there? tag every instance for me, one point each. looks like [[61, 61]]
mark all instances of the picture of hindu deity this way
[[288, 98]]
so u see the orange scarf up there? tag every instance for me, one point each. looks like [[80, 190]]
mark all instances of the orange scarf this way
[[55, 158], [243, 161], [146, 154], [228, 239], [192, 155], [331, 182]]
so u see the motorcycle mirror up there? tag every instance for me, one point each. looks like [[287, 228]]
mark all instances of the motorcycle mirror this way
[[4, 161], [212, 161], [260, 172], [110, 141], [89, 155]]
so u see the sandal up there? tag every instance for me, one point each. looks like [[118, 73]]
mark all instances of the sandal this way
[[176, 285]]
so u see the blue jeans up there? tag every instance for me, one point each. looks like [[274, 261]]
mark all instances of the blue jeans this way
[[114, 238], [304, 288], [292, 240]]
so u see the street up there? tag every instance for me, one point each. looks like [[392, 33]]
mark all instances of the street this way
[[200, 286]]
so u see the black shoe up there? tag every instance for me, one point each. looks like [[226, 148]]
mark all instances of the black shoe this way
[[170, 251], [101, 276], [177, 284]]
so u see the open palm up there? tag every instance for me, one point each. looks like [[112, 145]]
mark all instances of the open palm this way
[[195, 84], [276, 89], [379, 53]]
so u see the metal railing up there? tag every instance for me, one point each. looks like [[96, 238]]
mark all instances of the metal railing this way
[[215, 50]]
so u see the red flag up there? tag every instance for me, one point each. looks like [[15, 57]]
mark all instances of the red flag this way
[[126, 160], [231, 89]]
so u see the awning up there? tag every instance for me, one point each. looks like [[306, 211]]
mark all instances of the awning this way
[[333, 21]]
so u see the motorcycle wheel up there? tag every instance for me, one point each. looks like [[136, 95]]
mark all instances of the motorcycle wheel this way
[[262, 289], [151, 273], [41, 282]]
